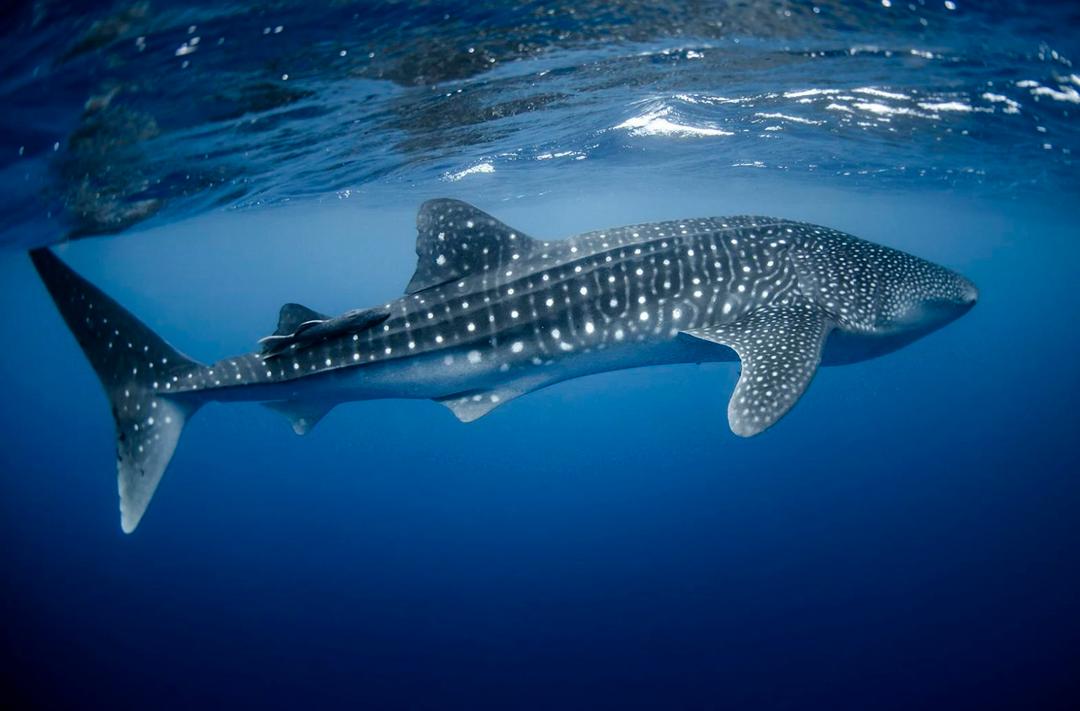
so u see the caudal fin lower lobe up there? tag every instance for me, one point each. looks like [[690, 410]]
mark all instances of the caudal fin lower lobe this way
[[137, 369]]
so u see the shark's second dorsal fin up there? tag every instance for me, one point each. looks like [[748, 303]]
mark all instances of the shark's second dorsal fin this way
[[300, 327], [293, 316], [455, 240]]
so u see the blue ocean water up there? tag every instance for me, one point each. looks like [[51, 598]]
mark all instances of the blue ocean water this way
[[905, 538]]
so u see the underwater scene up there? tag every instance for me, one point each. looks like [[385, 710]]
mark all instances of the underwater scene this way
[[644, 354]]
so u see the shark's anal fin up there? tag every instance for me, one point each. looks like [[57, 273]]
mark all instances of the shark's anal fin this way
[[780, 349], [474, 404], [455, 240], [302, 414]]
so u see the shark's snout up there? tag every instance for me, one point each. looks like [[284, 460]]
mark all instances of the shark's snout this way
[[961, 299], [969, 293]]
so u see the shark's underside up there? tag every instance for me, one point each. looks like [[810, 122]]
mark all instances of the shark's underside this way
[[491, 314]]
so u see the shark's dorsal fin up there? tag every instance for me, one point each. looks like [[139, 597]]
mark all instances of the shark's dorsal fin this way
[[780, 349], [455, 240], [302, 414]]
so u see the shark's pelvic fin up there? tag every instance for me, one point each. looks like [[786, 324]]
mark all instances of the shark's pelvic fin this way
[[300, 327], [136, 368], [473, 405], [455, 240], [302, 414], [780, 349]]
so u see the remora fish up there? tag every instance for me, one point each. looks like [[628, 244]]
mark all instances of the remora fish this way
[[492, 314]]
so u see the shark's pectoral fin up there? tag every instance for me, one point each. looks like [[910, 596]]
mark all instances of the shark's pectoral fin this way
[[780, 349], [302, 414], [474, 404]]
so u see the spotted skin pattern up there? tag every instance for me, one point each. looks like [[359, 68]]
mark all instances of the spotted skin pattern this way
[[492, 313]]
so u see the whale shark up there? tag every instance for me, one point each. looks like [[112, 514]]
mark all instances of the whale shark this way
[[491, 314]]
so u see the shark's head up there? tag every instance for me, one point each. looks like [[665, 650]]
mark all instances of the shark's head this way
[[875, 290], [915, 297]]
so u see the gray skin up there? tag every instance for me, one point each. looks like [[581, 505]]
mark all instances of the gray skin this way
[[492, 314]]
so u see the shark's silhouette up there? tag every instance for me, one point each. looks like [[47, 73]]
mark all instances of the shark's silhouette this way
[[492, 314]]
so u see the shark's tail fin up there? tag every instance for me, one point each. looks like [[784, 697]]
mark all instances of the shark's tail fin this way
[[137, 369]]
